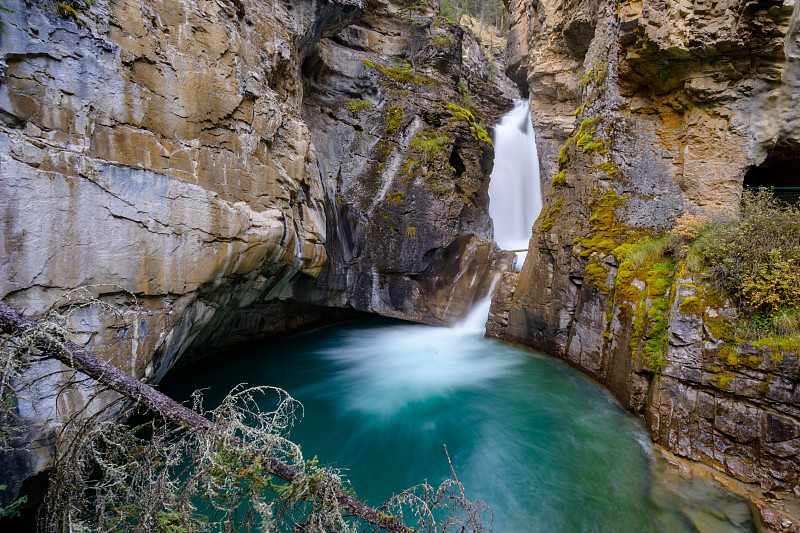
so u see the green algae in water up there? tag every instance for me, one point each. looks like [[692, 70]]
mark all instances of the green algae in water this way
[[546, 448]]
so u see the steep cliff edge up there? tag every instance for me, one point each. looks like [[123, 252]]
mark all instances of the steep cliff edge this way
[[182, 161], [645, 110]]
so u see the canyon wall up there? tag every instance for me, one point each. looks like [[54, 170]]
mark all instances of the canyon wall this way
[[644, 110], [220, 171]]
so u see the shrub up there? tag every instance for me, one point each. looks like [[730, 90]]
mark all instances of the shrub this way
[[690, 226], [757, 257]]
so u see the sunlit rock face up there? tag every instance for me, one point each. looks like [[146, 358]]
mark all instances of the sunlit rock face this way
[[195, 164], [644, 110]]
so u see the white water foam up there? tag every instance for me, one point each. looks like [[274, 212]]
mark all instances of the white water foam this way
[[385, 370], [515, 189]]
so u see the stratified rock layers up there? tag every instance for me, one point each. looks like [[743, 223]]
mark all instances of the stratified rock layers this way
[[644, 110], [187, 162]]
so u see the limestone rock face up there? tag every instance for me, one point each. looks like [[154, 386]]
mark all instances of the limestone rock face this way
[[644, 110], [195, 163], [395, 106]]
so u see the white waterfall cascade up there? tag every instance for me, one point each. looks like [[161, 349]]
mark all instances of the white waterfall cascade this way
[[515, 190]]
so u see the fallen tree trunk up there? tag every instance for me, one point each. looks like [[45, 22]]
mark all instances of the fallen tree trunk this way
[[72, 355]]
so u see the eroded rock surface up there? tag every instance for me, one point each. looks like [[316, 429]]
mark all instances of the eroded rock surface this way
[[196, 164], [644, 110]]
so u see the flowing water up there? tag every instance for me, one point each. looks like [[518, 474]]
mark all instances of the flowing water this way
[[515, 196], [546, 448]]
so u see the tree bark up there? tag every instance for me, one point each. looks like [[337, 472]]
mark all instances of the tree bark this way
[[72, 355]]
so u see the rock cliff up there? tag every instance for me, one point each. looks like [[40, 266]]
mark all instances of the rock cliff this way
[[644, 110], [226, 170]]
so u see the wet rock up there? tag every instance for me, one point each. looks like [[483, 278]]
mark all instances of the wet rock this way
[[201, 161], [736, 419], [684, 115]]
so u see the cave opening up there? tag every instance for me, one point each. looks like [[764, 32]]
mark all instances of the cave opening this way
[[779, 173]]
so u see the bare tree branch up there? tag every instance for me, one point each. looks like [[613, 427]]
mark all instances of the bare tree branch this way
[[72, 355]]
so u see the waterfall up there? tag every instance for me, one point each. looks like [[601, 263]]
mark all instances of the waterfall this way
[[515, 191]]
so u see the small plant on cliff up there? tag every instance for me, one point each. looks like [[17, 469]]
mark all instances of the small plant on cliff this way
[[71, 8], [3, 9], [394, 118], [357, 105], [429, 144], [446, 40]]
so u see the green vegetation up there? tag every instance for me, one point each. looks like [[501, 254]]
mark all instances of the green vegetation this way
[[401, 73], [394, 118], [3, 9], [428, 159], [445, 40], [466, 97], [604, 225], [488, 12], [560, 179], [12, 510], [594, 78], [64, 8], [429, 144], [755, 258], [585, 138], [477, 131], [596, 74], [395, 197], [357, 105], [647, 263], [551, 215], [749, 259]]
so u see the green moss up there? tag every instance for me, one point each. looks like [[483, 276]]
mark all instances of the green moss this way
[[659, 278], [465, 115], [357, 105], [563, 154], [595, 75], [401, 73], [394, 118], [692, 306], [411, 231], [431, 145], [624, 289], [410, 169], [651, 304], [552, 214], [395, 197], [719, 327], [778, 345], [560, 179], [722, 379], [597, 275], [608, 167], [656, 357], [727, 353], [585, 137], [604, 226]]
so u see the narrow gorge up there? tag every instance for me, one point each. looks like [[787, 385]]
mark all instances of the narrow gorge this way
[[193, 183]]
